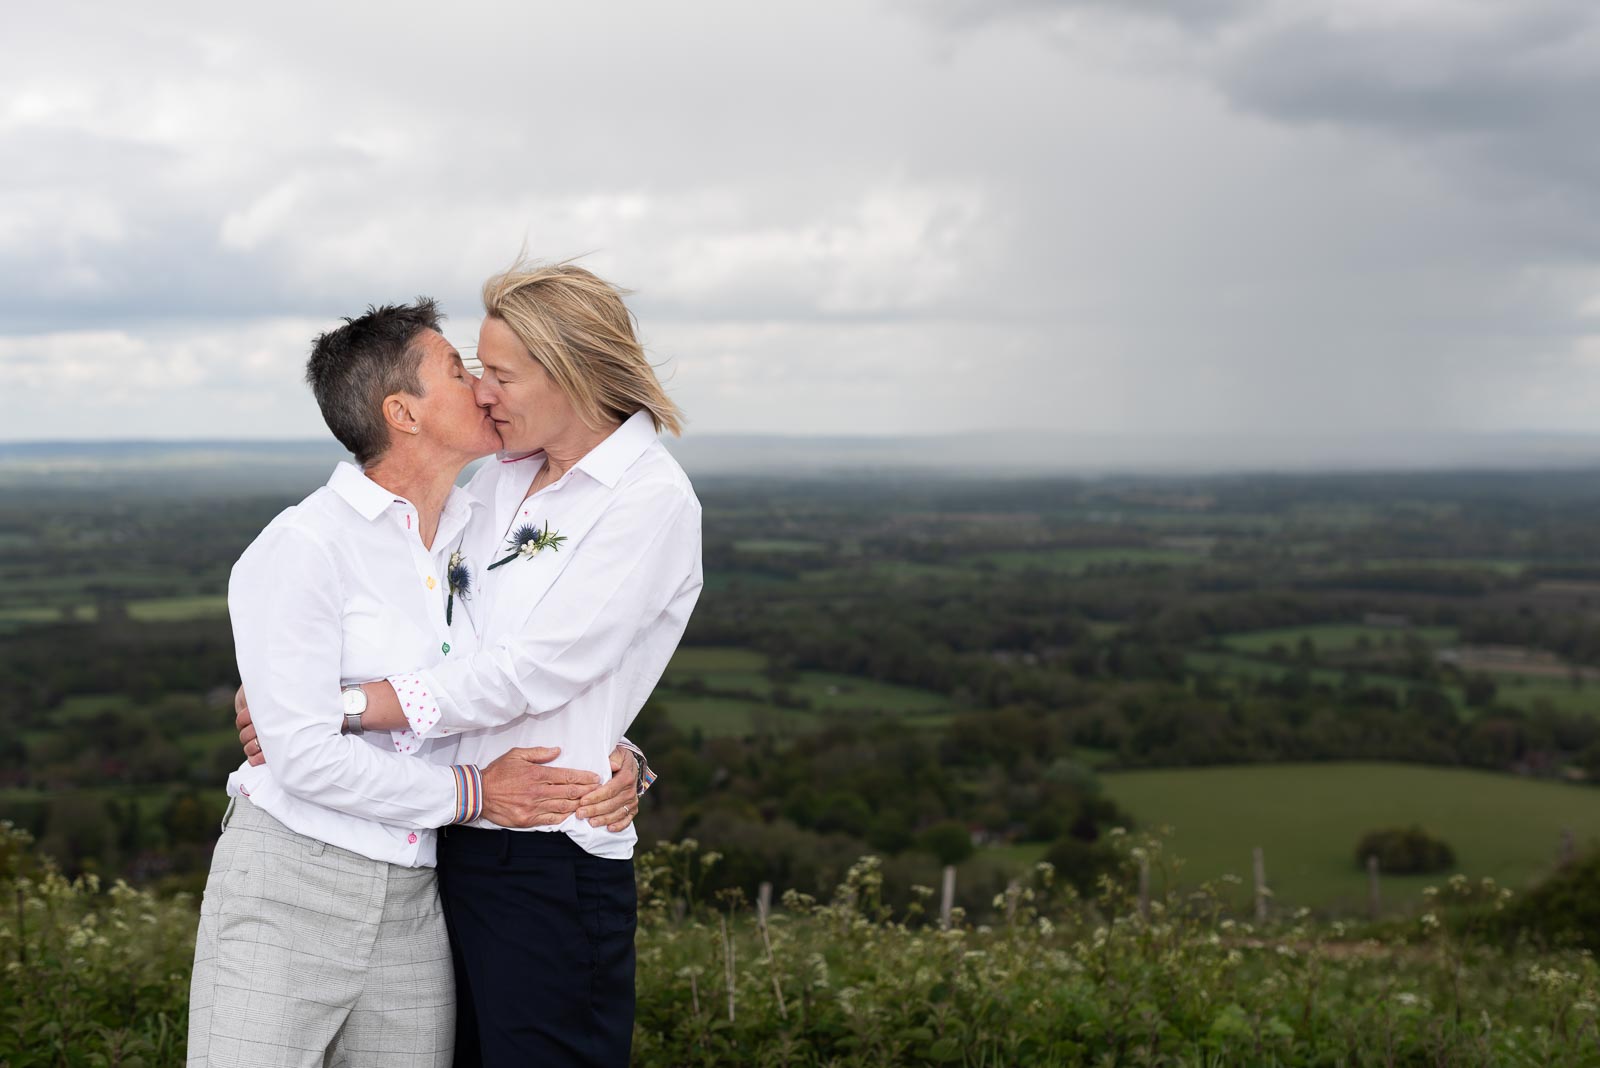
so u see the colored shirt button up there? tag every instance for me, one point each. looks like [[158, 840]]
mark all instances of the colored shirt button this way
[[412, 837], [430, 582]]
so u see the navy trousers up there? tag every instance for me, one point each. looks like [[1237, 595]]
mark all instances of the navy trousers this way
[[542, 937]]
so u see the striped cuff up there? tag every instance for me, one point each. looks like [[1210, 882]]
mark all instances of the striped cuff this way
[[469, 793], [646, 776]]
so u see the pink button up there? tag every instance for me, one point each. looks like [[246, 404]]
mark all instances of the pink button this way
[[412, 837]]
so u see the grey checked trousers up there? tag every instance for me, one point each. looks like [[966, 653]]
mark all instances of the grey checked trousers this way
[[311, 956]]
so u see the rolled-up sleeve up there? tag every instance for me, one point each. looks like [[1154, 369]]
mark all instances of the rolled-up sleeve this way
[[285, 603], [638, 566]]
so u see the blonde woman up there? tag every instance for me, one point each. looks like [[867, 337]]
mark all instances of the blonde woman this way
[[581, 570]]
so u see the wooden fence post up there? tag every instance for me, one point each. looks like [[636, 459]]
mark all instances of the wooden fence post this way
[[1374, 899], [727, 960], [763, 906], [1259, 863], [1144, 886], [947, 898]]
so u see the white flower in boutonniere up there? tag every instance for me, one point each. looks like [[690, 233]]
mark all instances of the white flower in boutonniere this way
[[460, 577], [528, 542]]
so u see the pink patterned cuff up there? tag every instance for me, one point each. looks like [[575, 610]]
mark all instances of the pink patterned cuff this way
[[420, 709], [405, 741]]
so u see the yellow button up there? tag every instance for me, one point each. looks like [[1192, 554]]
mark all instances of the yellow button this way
[[430, 582]]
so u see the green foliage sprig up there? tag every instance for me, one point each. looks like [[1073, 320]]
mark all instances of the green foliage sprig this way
[[93, 975], [527, 542]]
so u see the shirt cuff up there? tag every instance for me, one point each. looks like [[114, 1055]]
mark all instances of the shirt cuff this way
[[406, 741], [419, 706], [648, 777], [469, 793]]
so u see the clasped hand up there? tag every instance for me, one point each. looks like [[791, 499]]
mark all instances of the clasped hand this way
[[520, 787]]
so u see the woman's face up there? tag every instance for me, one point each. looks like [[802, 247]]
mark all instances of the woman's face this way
[[448, 412], [528, 408]]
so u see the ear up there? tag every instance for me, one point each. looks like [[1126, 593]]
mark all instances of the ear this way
[[400, 413]]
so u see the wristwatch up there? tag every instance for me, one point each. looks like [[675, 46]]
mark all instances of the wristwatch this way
[[355, 703]]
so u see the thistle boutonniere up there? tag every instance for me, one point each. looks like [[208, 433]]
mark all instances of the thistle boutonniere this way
[[528, 542], [460, 579]]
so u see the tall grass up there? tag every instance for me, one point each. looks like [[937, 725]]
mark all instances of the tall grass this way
[[98, 976]]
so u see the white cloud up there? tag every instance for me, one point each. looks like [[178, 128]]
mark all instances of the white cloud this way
[[1217, 215], [237, 380]]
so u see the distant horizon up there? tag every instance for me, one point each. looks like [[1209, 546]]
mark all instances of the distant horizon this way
[[1004, 453], [912, 435]]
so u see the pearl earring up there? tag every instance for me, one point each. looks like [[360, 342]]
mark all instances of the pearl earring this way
[[416, 430]]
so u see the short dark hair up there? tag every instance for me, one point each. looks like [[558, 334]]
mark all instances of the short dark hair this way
[[355, 366]]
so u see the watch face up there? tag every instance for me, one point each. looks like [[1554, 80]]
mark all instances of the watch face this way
[[355, 702]]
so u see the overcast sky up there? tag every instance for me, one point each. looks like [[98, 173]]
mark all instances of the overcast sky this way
[[836, 217]]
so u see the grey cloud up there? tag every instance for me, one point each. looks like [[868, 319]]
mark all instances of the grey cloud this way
[[1528, 68], [1193, 14], [1504, 100], [1185, 215], [1524, 63]]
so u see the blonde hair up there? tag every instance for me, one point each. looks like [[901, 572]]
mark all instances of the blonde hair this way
[[576, 325]]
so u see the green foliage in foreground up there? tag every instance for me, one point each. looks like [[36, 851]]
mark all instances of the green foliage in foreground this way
[[99, 977], [1561, 911], [92, 976]]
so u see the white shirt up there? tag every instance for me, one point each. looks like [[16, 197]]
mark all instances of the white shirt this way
[[574, 639], [338, 590]]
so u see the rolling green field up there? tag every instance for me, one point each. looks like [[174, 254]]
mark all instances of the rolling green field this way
[[731, 717], [723, 581], [144, 610], [1308, 818], [901, 573], [1334, 637], [1525, 691], [1520, 691], [88, 705], [171, 609], [716, 659], [777, 545], [1509, 568], [1076, 561], [1246, 667], [17, 618], [726, 670], [973, 567], [843, 693]]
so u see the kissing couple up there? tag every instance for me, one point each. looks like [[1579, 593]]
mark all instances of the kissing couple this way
[[427, 856]]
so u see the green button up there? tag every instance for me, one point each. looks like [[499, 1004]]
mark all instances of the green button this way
[[445, 648]]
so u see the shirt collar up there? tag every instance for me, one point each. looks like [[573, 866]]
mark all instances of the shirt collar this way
[[608, 461], [458, 509], [371, 500], [361, 493]]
